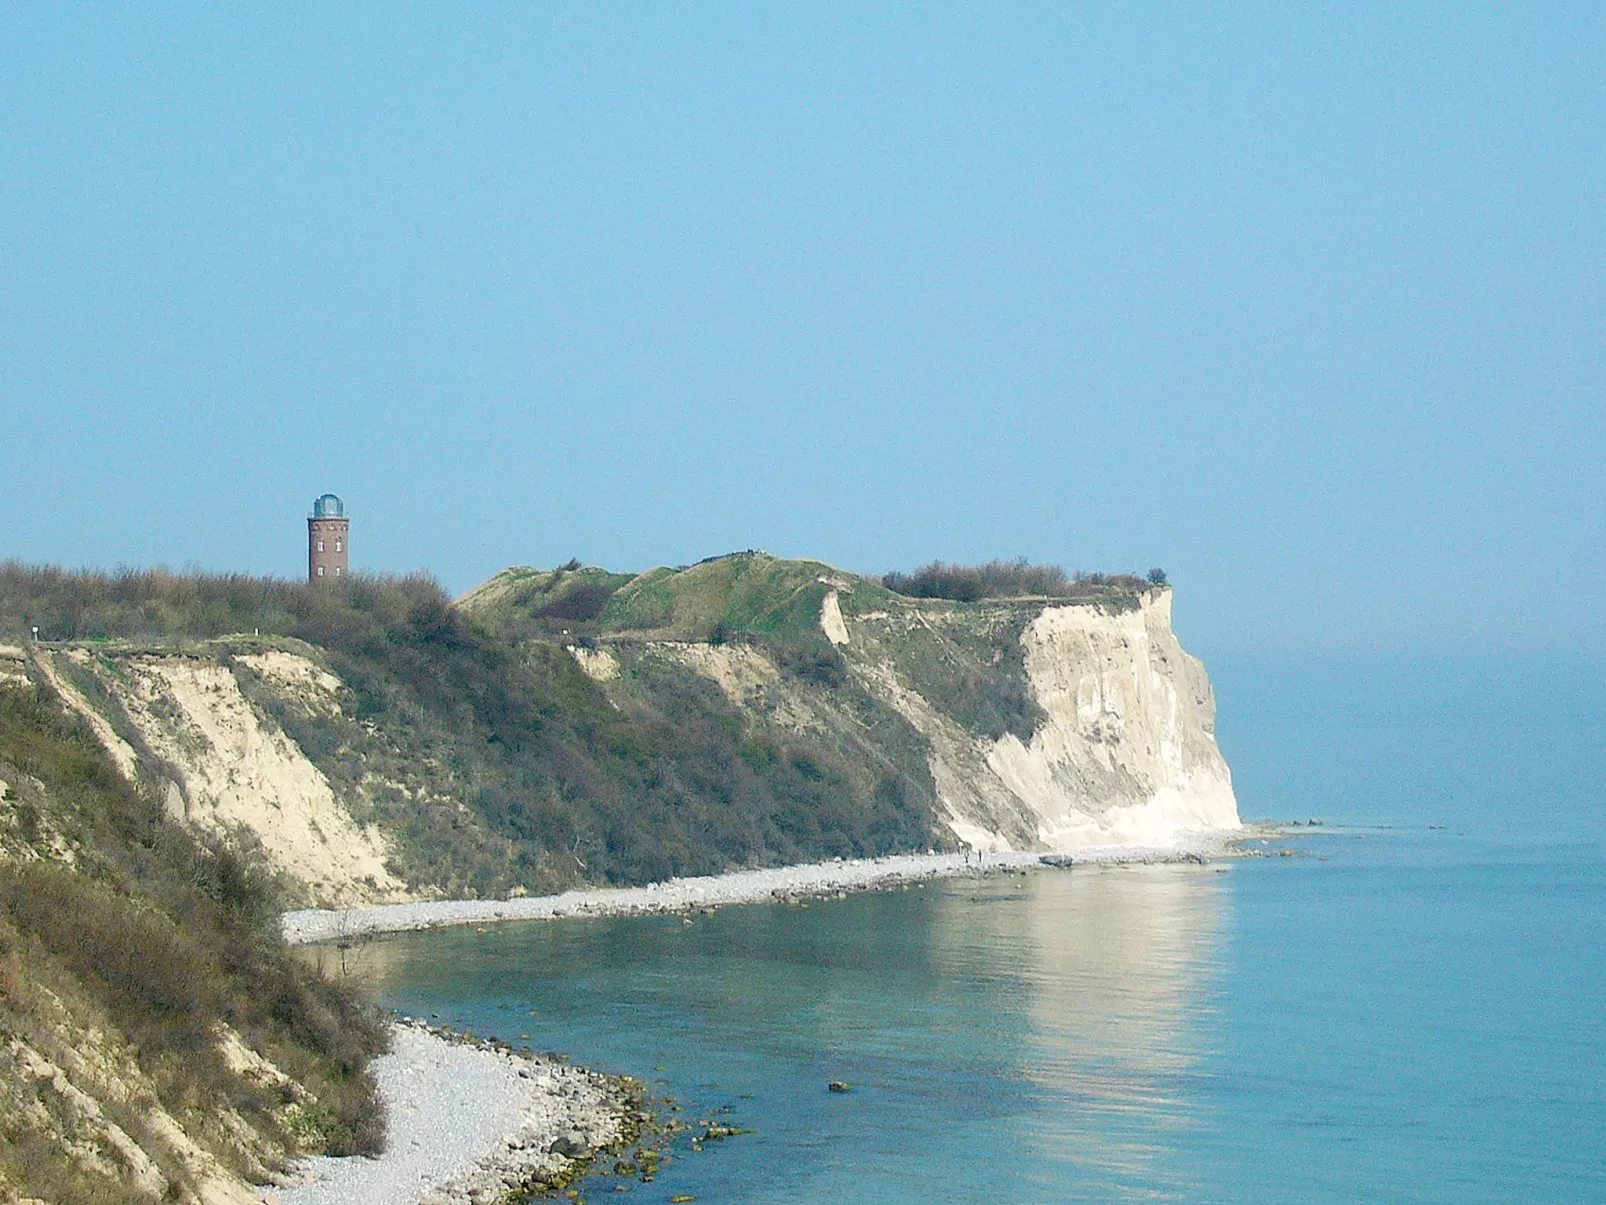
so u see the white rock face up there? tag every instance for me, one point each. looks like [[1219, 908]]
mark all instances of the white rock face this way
[[739, 672], [1128, 751], [831, 622], [598, 664], [238, 772]]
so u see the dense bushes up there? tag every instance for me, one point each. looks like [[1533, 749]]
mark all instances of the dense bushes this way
[[581, 604], [1007, 579]]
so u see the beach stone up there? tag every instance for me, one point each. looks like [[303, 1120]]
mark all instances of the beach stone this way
[[568, 1145]]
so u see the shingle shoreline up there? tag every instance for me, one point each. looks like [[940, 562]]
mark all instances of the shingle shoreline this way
[[737, 887]]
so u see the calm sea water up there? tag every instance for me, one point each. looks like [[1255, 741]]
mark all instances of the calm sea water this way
[[1414, 1009]]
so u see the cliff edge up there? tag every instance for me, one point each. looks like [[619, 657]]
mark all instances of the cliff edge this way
[[1121, 748]]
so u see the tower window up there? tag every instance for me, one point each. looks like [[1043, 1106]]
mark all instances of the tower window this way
[[337, 570], [320, 570], [320, 545], [340, 545]]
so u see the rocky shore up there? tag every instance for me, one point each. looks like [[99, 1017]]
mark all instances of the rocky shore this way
[[474, 1123], [805, 881]]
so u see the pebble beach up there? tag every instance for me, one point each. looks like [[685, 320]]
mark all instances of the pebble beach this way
[[738, 887], [467, 1122]]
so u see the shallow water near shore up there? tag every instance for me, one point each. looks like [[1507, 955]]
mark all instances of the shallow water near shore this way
[[1403, 1012]]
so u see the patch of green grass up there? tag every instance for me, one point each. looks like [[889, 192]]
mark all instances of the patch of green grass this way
[[523, 603], [744, 592]]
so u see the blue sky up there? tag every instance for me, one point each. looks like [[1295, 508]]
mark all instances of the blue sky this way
[[1306, 304]]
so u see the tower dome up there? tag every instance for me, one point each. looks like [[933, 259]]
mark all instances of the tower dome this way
[[328, 506]]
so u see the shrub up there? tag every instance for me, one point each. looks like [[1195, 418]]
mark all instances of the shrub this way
[[581, 603], [1006, 579]]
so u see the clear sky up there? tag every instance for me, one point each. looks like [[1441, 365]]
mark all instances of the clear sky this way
[[1304, 303]]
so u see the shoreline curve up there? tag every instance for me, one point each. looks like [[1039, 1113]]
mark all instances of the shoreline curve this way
[[804, 880]]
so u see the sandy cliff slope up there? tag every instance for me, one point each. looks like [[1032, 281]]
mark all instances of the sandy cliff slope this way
[[227, 768], [744, 711]]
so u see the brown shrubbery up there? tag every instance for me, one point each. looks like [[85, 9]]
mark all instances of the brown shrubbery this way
[[1010, 579]]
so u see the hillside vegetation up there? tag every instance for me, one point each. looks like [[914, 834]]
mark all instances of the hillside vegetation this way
[[1015, 579], [136, 963], [553, 727], [182, 756], [477, 739]]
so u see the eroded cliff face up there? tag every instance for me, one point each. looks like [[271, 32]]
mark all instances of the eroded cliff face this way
[[1123, 750], [183, 725], [156, 1043], [1004, 724], [1127, 752]]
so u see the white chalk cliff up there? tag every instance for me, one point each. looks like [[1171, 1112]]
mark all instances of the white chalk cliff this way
[[1124, 752]]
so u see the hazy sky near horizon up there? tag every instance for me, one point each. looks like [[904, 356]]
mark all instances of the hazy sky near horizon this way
[[1306, 304]]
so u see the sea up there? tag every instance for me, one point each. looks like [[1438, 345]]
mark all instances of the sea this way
[[1403, 1003]]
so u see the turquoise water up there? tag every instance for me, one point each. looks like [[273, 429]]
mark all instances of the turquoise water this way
[[1404, 1012]]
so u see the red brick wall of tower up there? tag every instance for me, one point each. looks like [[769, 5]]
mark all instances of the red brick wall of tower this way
[[328, 549]]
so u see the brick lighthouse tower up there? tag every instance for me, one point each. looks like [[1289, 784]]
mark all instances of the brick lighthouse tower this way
[[326, 539]]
